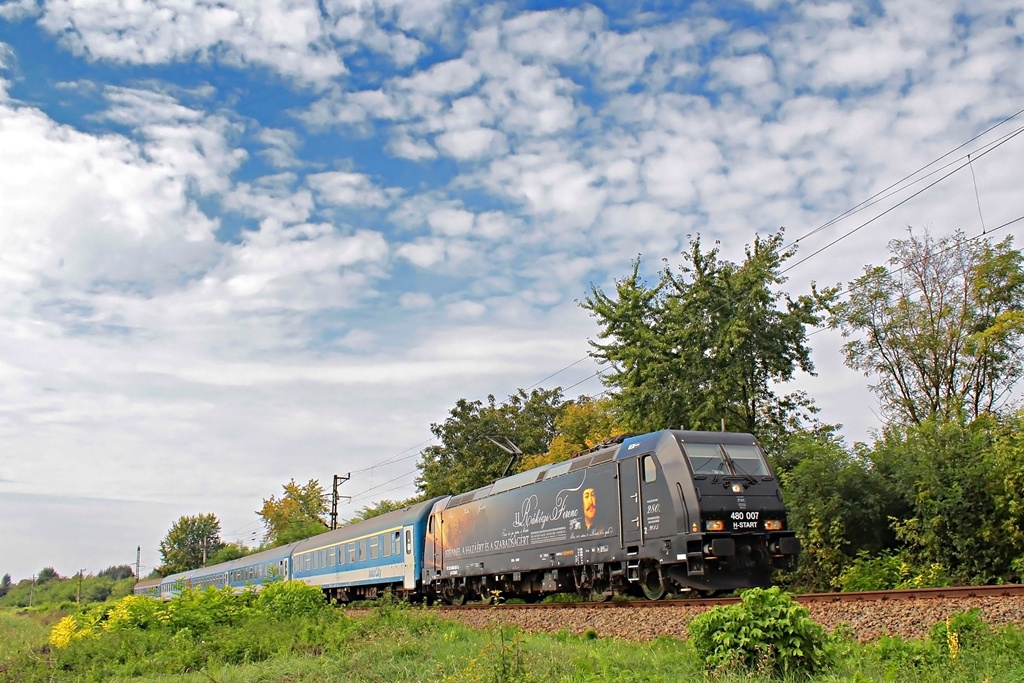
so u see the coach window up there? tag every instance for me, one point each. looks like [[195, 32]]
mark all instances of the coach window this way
[[650, 469], [351, 552], [386, 546], [341, 554], [373, 548], [397, 543]]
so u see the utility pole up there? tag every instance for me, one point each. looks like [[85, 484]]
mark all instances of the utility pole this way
[[32, 591], [79, 598], [334, 498], [138, 562]]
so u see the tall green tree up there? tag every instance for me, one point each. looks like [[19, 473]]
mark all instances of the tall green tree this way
[[189, 543], [5, 585], [300, 513], [709, 342], [465, 459], [940, 328]]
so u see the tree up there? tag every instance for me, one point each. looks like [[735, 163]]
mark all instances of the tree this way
[[46, 574], [940, 329], [298, 514], [466, 460], [708, 344], [231, 551], [583, 424], [383, 507], [121, 571], [5, 585], [189, 543]]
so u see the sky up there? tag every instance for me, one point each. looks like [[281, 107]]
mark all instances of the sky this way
[[243, 242]]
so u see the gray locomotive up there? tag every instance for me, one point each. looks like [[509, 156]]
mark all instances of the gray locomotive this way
[[667, 511]]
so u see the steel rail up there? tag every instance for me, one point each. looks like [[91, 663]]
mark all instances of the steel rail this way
[[951, 592]]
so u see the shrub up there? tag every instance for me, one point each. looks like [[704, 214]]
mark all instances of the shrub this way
[[289, 598], [887, 571], [767, 631]]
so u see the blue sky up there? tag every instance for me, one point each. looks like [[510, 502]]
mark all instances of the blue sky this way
[[245, 242]]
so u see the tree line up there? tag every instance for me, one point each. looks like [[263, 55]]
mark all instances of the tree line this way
[[933, 498]]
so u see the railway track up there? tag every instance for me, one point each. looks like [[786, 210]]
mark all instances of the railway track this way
[[952, 592], [869, 615]]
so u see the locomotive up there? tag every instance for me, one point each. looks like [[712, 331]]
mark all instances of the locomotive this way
[[669, 511]]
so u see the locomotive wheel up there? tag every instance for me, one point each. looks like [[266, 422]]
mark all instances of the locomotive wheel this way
[[653, 584], [597, 595], [459, 598]]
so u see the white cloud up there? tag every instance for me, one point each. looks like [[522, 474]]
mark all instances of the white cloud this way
[[340, 188], [13, 10], [451, 222], [281, 146]]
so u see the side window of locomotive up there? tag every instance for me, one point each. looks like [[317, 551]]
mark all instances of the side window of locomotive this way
[[747, 460], [705, 458], [649, 468]]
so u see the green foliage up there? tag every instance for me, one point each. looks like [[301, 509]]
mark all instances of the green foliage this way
[[888, 571], [383, 507], [583, 424], [298, 514], [960, 632], [957, 481], [189, 543], [942, 330], [116, 573], [289, 598], [708, 343], [563, 598], [839, 504], [5, 585], [465, 460], [46, 574], [767, 631], [403, 644], [231, 551]]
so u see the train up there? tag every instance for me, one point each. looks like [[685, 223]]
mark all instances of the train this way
[[647, 515]]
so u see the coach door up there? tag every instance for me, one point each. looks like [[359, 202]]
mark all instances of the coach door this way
[[409, 559], [630, 502]]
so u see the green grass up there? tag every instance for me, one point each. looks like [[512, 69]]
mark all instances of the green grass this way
[[398, 644]]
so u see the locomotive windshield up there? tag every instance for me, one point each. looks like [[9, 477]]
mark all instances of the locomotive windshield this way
[[707, 458], [747, 460]]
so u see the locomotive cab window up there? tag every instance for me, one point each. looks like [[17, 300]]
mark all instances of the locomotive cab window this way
[[747, 460], [705, 458], [649, 468]]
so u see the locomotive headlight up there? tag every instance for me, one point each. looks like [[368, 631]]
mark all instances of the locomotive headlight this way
[[715, 525], [773, 525]]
